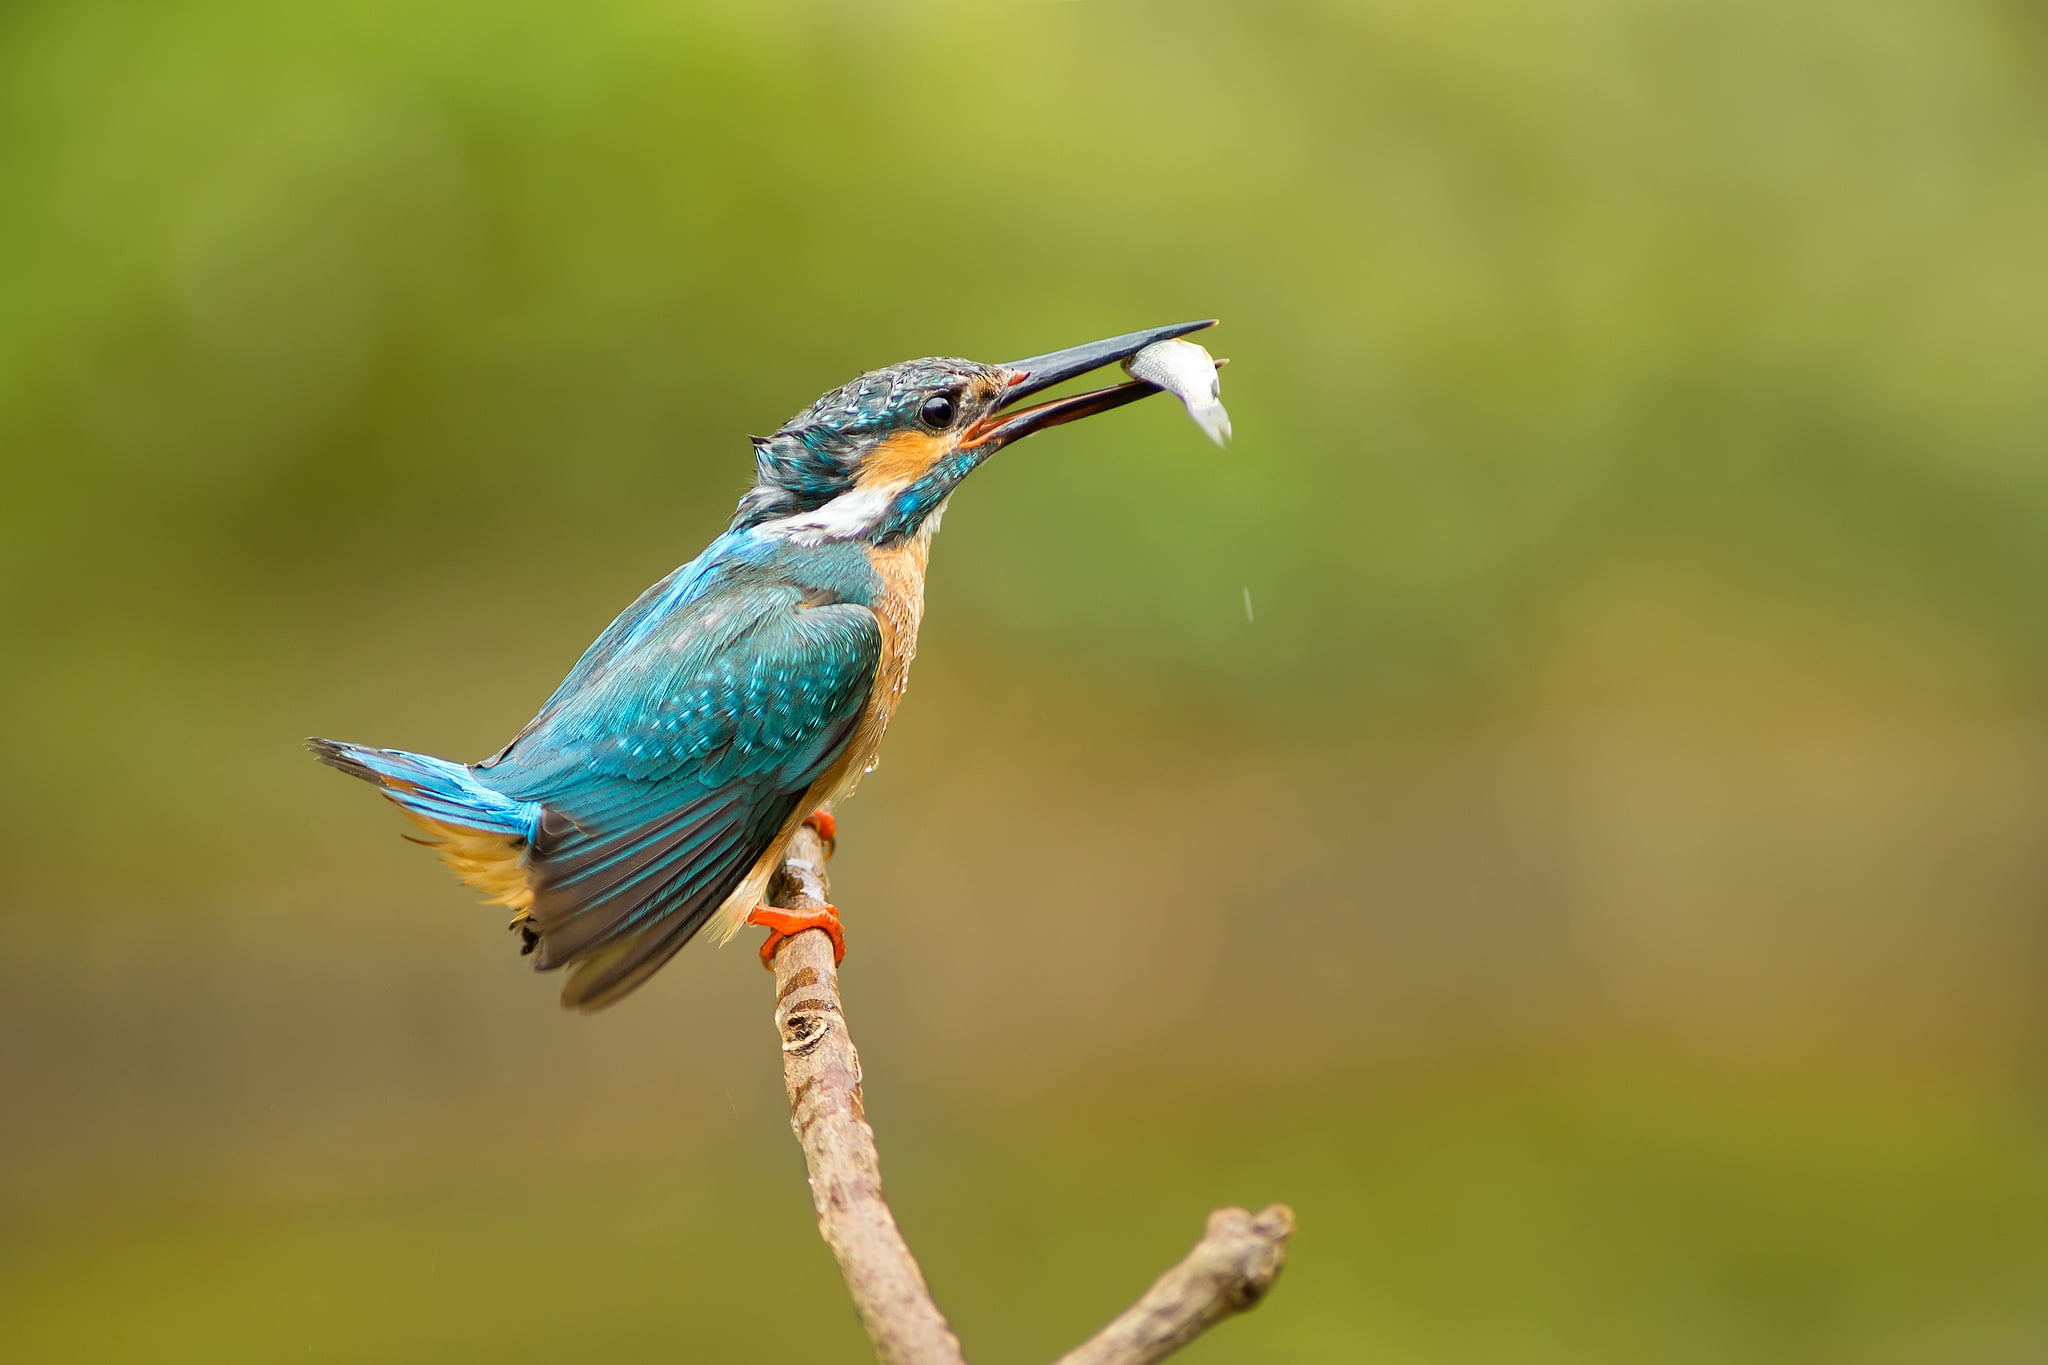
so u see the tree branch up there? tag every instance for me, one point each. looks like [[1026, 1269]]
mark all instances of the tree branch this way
[[1229, 1271], [822, 1072]]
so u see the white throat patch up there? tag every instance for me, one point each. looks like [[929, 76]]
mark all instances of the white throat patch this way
[[845, 517]]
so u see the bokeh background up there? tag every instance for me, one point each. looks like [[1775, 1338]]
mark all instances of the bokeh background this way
[[1561, 801]]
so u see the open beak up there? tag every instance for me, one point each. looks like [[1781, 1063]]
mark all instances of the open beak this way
[[1007, 423]]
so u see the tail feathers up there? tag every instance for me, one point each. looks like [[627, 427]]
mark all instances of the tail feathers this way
[[481, 834], [612, 901], [433, 788]]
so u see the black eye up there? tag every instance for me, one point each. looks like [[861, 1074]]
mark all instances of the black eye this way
[[938, 412]]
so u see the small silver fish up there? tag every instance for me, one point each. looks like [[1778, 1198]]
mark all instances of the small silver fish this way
[[1185, 370]]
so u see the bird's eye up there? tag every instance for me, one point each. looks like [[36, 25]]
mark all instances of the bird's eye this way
[[938, 412]]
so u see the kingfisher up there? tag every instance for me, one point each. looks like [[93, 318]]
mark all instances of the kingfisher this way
[[737, 699]]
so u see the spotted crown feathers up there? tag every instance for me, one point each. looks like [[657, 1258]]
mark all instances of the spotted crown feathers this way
[[816, 455]]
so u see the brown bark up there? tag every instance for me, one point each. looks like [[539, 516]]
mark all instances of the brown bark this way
[[1229, 1271]]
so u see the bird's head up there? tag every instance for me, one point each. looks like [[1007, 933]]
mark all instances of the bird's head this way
[[876, 458]]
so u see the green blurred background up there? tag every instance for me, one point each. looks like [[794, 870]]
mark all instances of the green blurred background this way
[[1599, 882]]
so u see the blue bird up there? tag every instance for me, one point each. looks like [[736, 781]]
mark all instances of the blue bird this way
[[658, 787]]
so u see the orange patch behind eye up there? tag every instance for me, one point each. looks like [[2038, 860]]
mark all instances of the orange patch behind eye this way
[[904, 457]]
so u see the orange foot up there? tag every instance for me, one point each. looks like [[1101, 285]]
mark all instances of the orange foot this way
[[827, 827], [787, 924]]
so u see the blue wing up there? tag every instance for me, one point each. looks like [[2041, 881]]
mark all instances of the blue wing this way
[[649, 613], [669, 761]]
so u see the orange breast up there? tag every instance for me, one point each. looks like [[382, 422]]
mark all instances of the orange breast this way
[[899, 609]]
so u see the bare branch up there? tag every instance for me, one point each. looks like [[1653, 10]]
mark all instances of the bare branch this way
[[822, 1072], [1229, 1271]]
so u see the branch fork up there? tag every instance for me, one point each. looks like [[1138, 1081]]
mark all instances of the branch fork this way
[[1229, 1271]]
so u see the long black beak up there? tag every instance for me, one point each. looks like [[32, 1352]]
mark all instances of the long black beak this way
[[1006, 423]]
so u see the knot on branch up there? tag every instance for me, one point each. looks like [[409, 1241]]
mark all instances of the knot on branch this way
[[804, 1032]]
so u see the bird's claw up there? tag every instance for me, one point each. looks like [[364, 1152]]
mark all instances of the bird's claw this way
[[783, 925]]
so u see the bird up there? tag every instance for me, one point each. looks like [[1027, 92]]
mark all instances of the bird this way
[[737, 699]]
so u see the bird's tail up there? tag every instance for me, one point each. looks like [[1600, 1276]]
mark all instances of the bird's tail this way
[[482, 835]]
